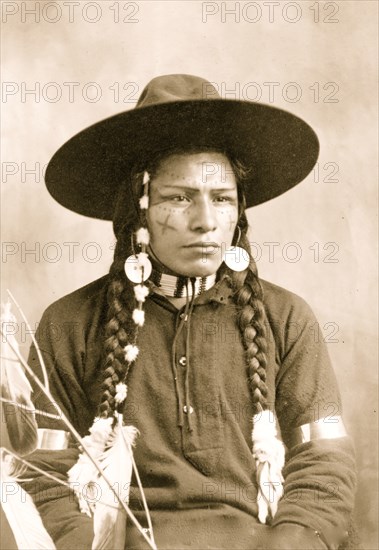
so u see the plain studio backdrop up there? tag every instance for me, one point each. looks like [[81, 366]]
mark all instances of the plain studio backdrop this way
[[69, 64]]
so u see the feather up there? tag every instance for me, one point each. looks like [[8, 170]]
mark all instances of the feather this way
[[269, 454], [21, 425], [93, 445], [23, 517], [116, 462], [83, 475]]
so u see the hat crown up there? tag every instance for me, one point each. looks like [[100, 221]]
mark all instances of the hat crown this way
[[176, 87], [181, 111]]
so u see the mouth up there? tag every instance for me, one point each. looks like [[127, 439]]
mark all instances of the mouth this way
[[203, 245]]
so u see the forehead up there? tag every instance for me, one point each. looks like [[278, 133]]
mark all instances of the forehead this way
[[198, 170]]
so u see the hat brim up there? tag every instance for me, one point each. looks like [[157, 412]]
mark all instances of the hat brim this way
[[280, 148]]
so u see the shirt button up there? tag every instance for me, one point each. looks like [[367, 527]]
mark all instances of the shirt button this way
[[183, 361], [188, 409]]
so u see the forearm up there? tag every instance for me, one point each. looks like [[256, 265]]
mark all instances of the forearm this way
[[56, 502], [319, 488], [289, 536]]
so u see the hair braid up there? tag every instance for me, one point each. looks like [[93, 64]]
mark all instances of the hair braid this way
[[119, 330], [252, 324], [267, 448]]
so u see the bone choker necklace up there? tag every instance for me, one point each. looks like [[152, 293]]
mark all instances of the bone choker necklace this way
[[180, 287]]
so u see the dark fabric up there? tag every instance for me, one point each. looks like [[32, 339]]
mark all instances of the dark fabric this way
[[207, 474]]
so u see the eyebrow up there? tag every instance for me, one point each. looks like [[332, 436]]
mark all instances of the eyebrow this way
[[184, 188]]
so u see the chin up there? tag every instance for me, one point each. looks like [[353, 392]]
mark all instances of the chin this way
[[199, 270]]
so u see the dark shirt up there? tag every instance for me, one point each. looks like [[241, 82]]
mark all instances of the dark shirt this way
[[204, 471]]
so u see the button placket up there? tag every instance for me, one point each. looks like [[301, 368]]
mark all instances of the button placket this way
[[181, 361]]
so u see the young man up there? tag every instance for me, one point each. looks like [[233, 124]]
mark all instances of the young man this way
[[186, 342]]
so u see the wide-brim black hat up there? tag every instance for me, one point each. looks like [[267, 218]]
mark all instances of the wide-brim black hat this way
[[179, 111]]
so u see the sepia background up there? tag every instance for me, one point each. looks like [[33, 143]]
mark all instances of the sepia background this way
[[67, 65]]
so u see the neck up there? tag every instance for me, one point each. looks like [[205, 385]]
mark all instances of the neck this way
[[181, 286]]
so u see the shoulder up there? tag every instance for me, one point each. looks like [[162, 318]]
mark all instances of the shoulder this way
[[284, 307], [79, 303], [292, 323]]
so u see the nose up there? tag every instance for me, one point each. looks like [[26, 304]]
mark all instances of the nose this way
[[203, 218]]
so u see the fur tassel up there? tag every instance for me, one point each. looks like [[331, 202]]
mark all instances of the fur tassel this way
[[269, 454], [131, 353], [20, 421], [138, 317], [121, 393], [142, 236], [83, 475], [144, 202], [146, 178], [109, 516], [23, 517], [141, 292]]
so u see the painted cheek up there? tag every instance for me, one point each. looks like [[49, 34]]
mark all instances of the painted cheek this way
[[164, 208], [166, 219], [228, 216]]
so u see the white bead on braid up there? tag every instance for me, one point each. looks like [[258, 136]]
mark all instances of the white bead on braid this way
[[131, 353], [121, 393], [142, 236], [141, 292], [146, 178], [138, 317], [144, 202]]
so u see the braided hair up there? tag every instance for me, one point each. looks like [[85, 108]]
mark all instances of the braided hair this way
[[121, 331]]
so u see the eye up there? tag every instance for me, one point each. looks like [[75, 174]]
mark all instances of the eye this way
[[224, 198], [179, 198]]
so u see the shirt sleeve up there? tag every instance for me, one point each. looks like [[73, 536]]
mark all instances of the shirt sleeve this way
[[320, 473], [61, 349]]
